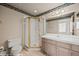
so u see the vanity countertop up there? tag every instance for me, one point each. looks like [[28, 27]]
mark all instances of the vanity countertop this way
[[71, 39]]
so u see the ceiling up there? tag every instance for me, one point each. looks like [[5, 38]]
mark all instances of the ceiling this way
[[35, 8]]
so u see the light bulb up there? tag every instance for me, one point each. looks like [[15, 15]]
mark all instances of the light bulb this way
[[35, 11], [62, 11]]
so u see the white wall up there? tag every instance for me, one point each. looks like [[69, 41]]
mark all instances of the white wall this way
[[10, 28]]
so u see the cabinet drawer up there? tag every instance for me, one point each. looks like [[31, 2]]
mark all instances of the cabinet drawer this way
[[75, 47], [64, 45], [50, 41]]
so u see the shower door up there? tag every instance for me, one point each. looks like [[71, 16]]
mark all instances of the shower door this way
[[31, 32]]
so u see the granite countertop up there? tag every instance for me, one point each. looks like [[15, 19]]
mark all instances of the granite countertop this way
[[71, 39]]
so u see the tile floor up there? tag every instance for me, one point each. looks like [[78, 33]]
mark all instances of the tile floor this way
[[31, 53]]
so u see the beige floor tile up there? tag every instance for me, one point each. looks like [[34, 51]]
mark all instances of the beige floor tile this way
[[31, 53]]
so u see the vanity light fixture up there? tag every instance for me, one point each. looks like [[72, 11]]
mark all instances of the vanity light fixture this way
[[35, 11], [25, 17], [62, 10], [57, 12]]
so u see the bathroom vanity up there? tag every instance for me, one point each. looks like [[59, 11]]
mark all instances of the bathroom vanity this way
[[60, 45]]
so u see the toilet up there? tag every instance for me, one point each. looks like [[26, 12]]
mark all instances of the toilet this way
[[15, 46]]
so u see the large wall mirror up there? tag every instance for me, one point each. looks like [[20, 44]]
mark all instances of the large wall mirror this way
[[61, 25], [76, 25]]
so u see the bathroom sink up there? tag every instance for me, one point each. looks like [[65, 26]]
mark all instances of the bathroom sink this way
[[62, 37]]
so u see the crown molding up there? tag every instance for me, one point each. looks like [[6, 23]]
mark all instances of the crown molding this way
[[15, 8], [24, 12]]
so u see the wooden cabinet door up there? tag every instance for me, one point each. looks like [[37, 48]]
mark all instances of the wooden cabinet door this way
[[75, 48], [63, 52], [74, 53], [51, 50], [43, 45]]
